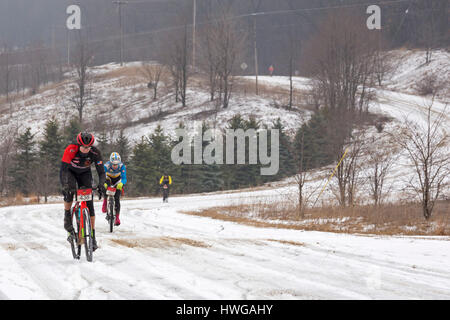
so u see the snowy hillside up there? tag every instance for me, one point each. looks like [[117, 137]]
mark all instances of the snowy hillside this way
[[120, 99], [409, 68]]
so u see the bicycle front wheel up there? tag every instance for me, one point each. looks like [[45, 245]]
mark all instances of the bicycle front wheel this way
[[76, 247], [88, 236], [111, 213]]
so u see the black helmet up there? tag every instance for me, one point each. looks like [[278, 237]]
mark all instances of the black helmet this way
[[85, 139]]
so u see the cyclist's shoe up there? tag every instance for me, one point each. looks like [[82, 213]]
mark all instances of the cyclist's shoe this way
[[104, 205], [117, 222], [94, 242], [68, 221], [71, 237]]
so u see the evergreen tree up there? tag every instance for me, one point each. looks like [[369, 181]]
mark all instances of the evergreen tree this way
[[23, 173], [242, 175], [251, 173], [181, 174], [161, 151], [71, 131], [211, 173], [286, 152], [104, 145], [51, 149], [314, 140], [141, 174], [231, 171], [122, 146]]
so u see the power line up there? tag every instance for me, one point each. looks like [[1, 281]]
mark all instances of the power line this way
[[321, 8], [179, 27]]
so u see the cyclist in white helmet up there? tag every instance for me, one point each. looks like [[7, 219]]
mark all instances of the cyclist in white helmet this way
[[116, 174]]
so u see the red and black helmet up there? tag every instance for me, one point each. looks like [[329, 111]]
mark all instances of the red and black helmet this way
[[85, 139]]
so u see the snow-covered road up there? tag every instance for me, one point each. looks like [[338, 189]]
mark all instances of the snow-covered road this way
[[160, 253]]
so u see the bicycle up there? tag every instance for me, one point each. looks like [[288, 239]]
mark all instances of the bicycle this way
[[165, 193], [83, 234], [111, 212]]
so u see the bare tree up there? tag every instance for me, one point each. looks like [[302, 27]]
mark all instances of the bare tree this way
[[152, 73], [301, 177], [427, 147], [229, 41], [80, 91], [340, 60], [427, 33], [6, 70], [209, 62], [381, 162], [383, 65], [348, 173], [176, 57]]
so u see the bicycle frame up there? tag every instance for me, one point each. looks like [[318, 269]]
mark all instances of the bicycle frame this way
[[81, 209], [110, 193]]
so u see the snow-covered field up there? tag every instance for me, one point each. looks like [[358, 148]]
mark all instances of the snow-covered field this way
[[159, 253]]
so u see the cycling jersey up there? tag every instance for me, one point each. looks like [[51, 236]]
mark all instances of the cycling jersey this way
[[114, 174], [77, 162]]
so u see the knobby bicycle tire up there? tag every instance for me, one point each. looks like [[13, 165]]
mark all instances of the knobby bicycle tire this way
[[111, 213], [88, 240], [74, 243]]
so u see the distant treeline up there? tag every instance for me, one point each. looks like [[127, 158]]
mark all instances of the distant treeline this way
[[35, 46], [33, 166]]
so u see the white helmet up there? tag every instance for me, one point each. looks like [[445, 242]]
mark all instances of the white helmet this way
[[115, 158]]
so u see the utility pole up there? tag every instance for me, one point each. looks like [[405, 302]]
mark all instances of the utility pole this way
[[255, 6], [68, 48], [193, 34], [120, 4], [53, 37], [256, 53]]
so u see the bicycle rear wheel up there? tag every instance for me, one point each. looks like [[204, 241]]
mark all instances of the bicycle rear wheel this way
[[88, 239], [76, 249]]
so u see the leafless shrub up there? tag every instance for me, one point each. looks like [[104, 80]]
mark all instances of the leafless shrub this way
[[427, 147], [380, 161], [430, 84], [153, 73], [347, 179]]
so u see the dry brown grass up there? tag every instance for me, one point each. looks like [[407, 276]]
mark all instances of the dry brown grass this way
[[278, 94], [159, 242], [25, 245], [128, 72], [292, 243], [19, 200], [392, 219]]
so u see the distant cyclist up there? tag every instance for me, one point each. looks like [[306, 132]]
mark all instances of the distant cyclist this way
[[165, 183], [76, 170], [116, 174]]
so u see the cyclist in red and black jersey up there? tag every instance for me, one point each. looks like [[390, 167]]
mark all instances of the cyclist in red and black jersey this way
[[76, 170]]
